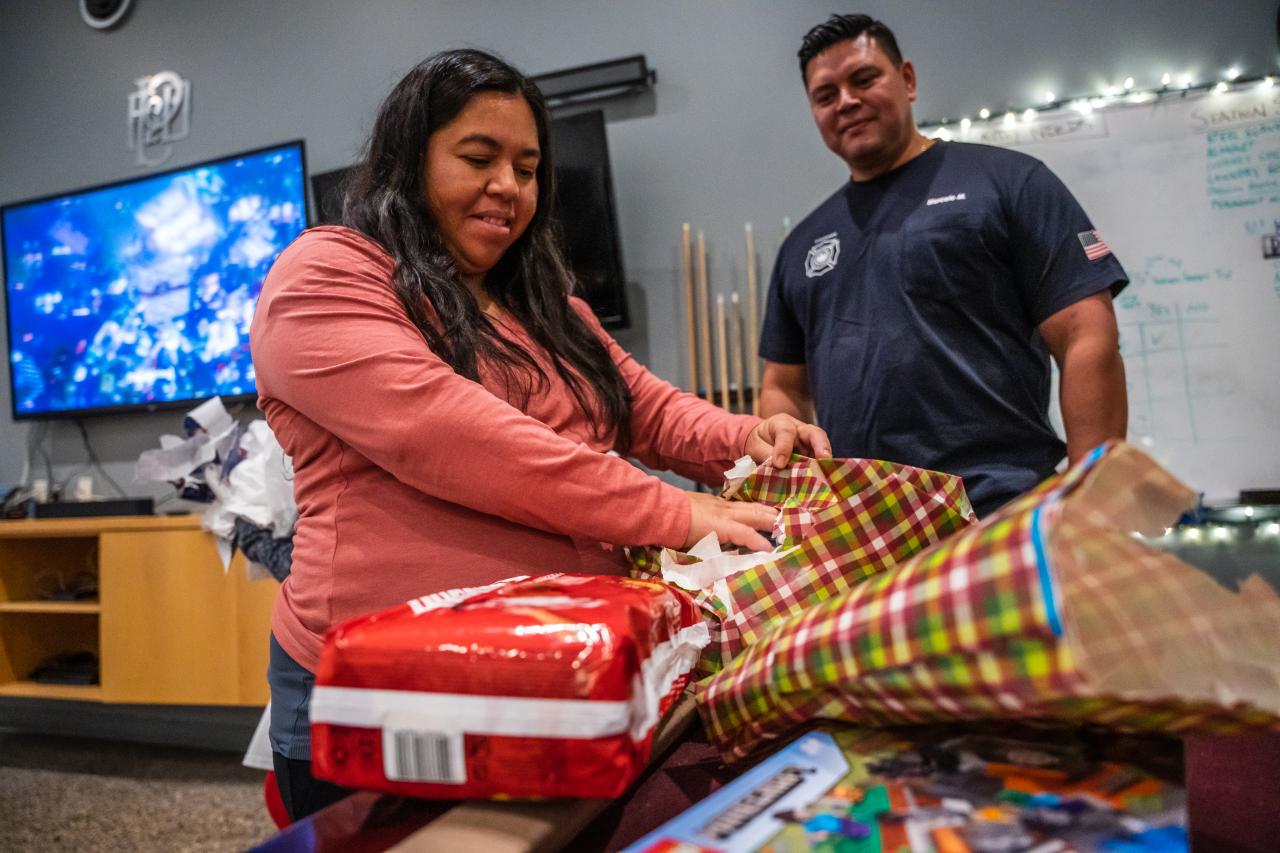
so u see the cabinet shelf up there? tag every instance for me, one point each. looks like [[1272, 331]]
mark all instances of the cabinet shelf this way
[[34, 690], [86, 606], [91, 528], [165, 603]]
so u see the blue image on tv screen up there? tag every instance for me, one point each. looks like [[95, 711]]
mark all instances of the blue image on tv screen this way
[[141, 293]]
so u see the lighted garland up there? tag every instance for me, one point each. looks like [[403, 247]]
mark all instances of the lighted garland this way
[[1113, 96]]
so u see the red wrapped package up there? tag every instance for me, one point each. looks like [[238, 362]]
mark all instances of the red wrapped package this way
[[531, 687]]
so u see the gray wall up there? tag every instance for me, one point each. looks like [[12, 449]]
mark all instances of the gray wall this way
[[725, 138]]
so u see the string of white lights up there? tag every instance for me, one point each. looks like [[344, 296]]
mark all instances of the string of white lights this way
[[1217, 533], [1122, 94]]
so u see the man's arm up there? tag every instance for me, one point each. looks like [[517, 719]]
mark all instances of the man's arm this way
[[1085, 344], [784, 389]]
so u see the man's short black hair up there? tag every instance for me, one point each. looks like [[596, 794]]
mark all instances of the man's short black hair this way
[[840, 28]]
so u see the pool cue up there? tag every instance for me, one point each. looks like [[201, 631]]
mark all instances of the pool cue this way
[[735, 345], [722, 349], [691, 337], [704, 321], [753, 327]]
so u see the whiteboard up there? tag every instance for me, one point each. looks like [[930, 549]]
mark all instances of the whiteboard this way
[[1186, 191]]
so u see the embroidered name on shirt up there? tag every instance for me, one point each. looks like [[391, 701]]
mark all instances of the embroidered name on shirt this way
[[943, 199]]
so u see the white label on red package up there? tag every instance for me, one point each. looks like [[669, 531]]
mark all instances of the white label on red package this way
[[450, 597], [410, 755]]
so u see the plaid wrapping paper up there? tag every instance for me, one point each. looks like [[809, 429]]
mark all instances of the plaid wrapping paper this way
[[815, 495], [848, 518], [979, 627]]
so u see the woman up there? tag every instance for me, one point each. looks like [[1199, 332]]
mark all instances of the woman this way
[[447, 405]]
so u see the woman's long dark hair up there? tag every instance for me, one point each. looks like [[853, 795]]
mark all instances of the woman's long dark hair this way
[[385, 199]]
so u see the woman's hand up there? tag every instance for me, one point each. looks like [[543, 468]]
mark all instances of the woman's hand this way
[[733, 522], [777, 436]]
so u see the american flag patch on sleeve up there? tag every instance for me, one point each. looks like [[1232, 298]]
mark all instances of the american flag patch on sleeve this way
[[1094, 246]]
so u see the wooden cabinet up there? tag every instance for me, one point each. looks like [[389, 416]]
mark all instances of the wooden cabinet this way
[[169, 626]]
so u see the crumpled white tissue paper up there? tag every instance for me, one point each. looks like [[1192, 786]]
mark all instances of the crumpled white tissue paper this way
[[259, 487], [716, 566]]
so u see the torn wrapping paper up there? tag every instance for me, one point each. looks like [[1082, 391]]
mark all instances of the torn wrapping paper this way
[[259, 487], [840, 520], [531, 687], [1049, 609], [210, 434], [712, 568], [735, 476], [176, 458], [241, 472]]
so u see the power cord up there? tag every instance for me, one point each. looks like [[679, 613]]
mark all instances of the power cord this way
[[13, 504], [94, 462], [35, 446]]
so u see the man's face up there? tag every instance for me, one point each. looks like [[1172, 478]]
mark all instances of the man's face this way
[[861, 103]]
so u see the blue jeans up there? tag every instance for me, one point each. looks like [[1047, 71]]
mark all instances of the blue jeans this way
[[291, 684], [290, 733]]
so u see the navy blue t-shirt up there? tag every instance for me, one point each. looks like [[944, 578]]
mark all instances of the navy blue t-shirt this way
[[914, 300]]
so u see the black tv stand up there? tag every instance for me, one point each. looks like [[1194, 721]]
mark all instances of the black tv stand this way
[[89, 509]]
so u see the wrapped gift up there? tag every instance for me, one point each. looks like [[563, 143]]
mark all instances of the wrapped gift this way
[[1054, 607], [840, 521], [533, 687]]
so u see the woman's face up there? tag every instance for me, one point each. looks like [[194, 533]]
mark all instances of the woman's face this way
[[481, 180]]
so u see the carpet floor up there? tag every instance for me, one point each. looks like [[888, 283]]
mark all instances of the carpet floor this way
[[62, 793]]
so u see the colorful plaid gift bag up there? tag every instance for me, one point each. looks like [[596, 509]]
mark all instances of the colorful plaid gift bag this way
[[840, 521], [1050, 608]]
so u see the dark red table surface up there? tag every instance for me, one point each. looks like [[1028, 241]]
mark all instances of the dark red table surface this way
[[1233, 798]]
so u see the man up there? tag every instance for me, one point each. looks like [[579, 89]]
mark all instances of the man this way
[[918, 305]]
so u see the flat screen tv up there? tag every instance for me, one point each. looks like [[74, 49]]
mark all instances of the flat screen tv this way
[[584, 185], [588, 216], [138, 295]]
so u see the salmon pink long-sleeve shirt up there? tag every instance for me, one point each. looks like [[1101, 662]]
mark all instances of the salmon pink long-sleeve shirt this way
[[411, 478]]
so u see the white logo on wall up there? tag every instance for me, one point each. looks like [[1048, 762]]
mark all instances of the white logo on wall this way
[[159, 113], [823, 255]]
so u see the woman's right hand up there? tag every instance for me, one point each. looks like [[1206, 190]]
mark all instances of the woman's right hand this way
[[733, 522]]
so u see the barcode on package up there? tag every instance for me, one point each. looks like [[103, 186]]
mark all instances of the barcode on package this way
[[417, 756]]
